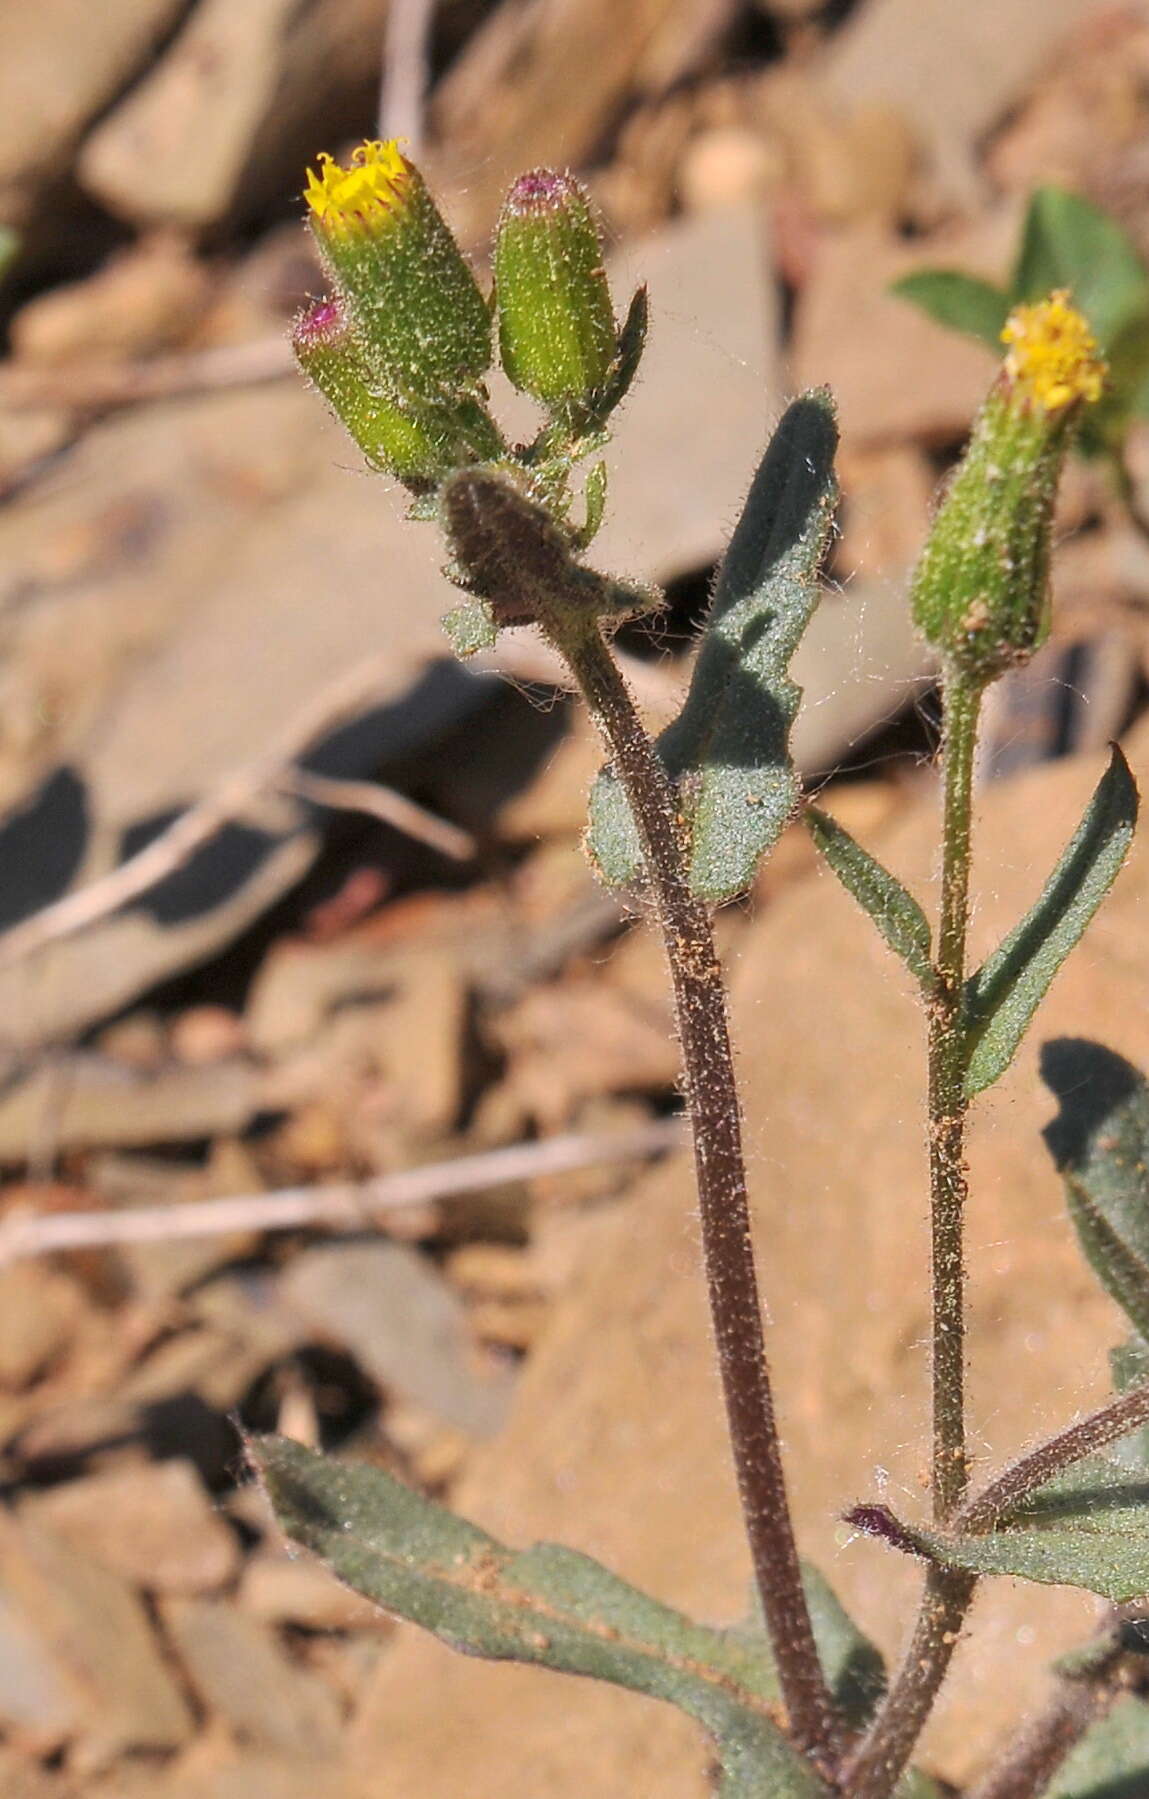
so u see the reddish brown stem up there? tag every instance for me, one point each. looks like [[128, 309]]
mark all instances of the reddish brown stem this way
[[728, 1251]]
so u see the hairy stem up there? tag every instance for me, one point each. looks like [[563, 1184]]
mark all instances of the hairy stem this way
[[1034, 1757], [947, 1105], [728, 1251], [877, 1765], [1108, 1424]]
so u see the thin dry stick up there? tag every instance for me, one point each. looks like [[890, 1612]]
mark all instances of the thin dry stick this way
[[406, 71], [337, 1207], [173, 847], [1108, 1424], [383, 803], [98, 385]]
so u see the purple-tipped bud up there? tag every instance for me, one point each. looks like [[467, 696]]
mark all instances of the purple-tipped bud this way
[[420, 444], [557, 332]]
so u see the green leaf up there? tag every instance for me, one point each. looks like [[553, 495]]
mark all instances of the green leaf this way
[[1129, 1366], [728, 750], [627, 357], [9, 245], [963, 302], [548, 1606], [1112, 1759], [1100, 1143], [1088, 1528], [1001, 998], [899, 918], [1068, 242], [854, 1669]]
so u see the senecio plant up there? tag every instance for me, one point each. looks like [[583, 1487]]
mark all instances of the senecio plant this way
[[797, 1702]]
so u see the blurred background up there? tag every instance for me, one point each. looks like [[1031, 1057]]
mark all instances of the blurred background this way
[[293, 911]]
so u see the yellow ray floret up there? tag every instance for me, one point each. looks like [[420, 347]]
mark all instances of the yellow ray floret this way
[[1053, 355], [342, 198]]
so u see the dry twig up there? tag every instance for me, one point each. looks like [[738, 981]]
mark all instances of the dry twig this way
[[406, 71], [343, 1207]]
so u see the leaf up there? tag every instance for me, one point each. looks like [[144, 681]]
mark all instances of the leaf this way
[[1068, 242], [1129, 1366], [728, 751], [1001, 998], [854, 1669], [627, 356], [963, 302], [1088, 1528], [899, 918], [1112, 1759], [548, 1606], [1100, 1143]]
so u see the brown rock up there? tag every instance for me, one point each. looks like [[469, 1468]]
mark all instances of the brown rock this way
[[146, 299], [173, 151], [509, 102], [240, 1671], [282, 1589], [153, 1524], [893, 372], [388, 1306], [206, 1034], [124, 1699], [64, 61], [727, 166], [93, 1104], [616, 1444], [39, 1309], [577, 1040], [951, 73], [886, 514]]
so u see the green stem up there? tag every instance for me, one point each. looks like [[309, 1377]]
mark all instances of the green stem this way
[[876, 1766], [948, 1104], [728, 1251]]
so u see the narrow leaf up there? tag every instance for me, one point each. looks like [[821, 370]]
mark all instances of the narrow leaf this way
[[1001, 998], [1068, 242], [963, 302], [899, 918], [728, 750], [548, 1606], [1129, 1366], [1112, 1759], [1088, 1528], [1100, 1143], [627, 357]]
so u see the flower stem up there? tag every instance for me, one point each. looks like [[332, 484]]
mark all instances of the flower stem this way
[[948, 1103], [728, 1250], [876, 1766], [1108, 1424]]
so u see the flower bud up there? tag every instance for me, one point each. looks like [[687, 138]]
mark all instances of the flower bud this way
[[419, 444], [557, 332], [980, 595], [413, 302]]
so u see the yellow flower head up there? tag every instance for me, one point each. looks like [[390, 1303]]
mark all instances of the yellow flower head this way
[[341, 199], [1053, 356]]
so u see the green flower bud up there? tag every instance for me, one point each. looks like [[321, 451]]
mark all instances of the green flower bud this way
[[980, 595], [557, 332], [414, 304], [419, 444]]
